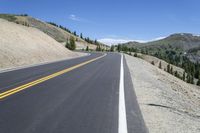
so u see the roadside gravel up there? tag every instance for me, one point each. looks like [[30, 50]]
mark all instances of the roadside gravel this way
[[168, 104]]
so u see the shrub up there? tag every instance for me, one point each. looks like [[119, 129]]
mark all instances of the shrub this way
[[71, 44], [135, 55]]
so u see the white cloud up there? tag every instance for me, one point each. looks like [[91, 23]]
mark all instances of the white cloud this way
[[197, 35], [78, 19], [111, 41], [156, 39], [74, 17]]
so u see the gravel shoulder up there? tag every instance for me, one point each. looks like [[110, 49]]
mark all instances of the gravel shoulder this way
[[168, 104]]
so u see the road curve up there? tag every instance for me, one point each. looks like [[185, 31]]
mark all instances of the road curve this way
[[84, 99]]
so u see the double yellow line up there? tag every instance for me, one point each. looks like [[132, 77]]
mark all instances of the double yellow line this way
[[30, 84]]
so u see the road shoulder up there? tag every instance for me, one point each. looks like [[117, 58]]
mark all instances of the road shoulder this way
[[135, 122], [167, 103]]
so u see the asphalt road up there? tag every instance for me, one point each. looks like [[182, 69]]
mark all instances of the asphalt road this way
[[80, 96]]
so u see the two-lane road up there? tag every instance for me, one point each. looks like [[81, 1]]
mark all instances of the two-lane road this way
[[80, 95]]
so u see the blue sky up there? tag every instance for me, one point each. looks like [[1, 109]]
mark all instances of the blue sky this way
[[114, 19]]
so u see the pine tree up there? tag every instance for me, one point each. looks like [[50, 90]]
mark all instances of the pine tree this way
[[184, 76], [171, 70], [160, 65], [98, 48], [192, 79], [176, 74], [72, 43], [112, 48], [198, 82], [188, 78], [87, 48], [81, 36], [196, 75], [75, 33], [168, 68], [95, 42], [119, 48], [135, 55]]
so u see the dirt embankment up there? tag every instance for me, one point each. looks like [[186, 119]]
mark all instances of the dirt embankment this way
[[22, 45], [168, 104], [56, 33]]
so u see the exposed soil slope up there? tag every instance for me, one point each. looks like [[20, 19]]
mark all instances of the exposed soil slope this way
[[22, 45], [55, 32]]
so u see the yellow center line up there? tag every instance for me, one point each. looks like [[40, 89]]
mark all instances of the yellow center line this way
[[33, 83]]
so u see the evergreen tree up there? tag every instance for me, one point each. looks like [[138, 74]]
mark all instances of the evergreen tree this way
[[87, 48], [112, 48], [171, 70], [192, 79], [81, 36], [160, 65], [188, 78], [196, 74], [176, 74], [198, 82], [119, 47], [71, 44], [95, 42], [135, 55], [98, 48], [75, 33], [184, 76], [168, 68]]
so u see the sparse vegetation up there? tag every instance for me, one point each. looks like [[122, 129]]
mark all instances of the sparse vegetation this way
[[174, 50], [8, 17]]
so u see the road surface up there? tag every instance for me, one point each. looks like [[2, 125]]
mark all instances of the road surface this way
[[90, 94]]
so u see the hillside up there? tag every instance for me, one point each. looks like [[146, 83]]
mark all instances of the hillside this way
[[182, 50], [183, 44], [21, 45], [59, 34], [167, 103], [157, 62]]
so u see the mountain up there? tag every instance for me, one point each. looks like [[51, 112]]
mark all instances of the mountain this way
[[180, 43], [183, 42], [59, 33]]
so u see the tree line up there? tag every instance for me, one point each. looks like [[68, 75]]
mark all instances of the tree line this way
[[191, 69], [87, 39]]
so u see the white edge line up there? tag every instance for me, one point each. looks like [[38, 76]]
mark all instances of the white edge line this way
[[38, 64], [122, 122]]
